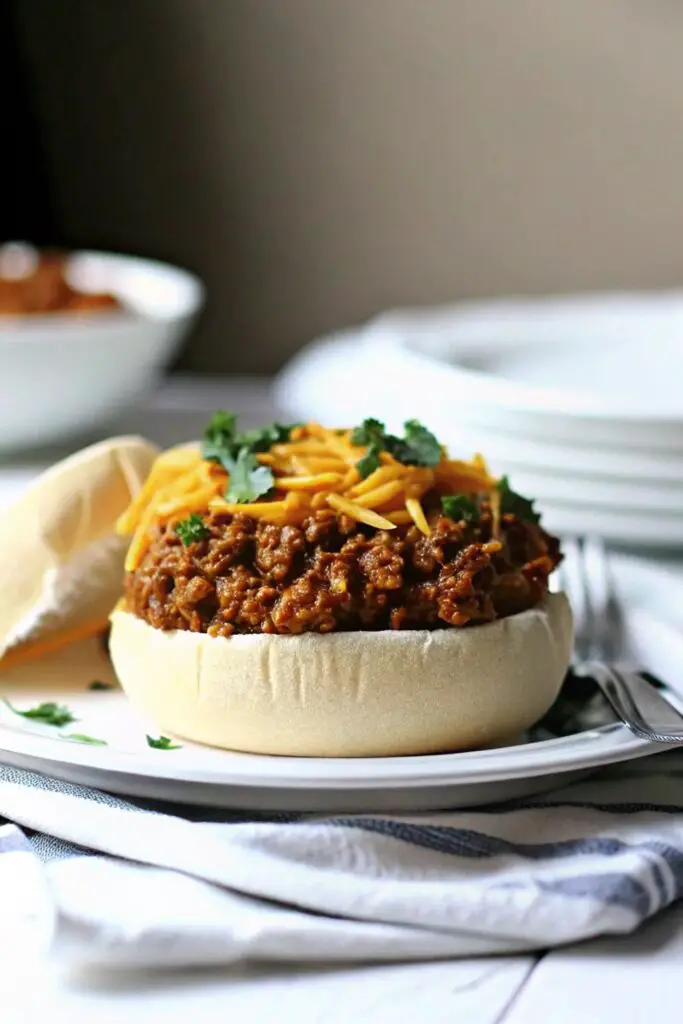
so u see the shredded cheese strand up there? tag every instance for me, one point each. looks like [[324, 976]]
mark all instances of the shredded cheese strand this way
[[315, 469], [416, 513], [381, 495], [379, 476], [360, 514]]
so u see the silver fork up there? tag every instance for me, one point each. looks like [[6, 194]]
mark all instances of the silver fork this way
[[586, 578]]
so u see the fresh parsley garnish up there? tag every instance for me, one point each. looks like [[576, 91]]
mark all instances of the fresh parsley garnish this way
[[222, 438], [98, 684], [370, 432], [418, 447], [81, 737], [423, 447], [235, 451], [191, 529], [248, 479], [369, 463], [262, 439], [220, 430], [162, 743], [47, 713], [516, 504], [459, 507]]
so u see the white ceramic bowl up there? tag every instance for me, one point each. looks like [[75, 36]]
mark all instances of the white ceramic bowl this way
[[62, 374]]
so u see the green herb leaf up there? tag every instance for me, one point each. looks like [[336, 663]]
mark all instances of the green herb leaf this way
[[369, 463], [419, 447], [263, 439], [424, 448], [98, 684], [248, 479], [191, 529], [221, 428], [220, 439], [81, 737], [223, 442], [162, 743], [48, 713], [373, 434], [515, 504], [459, 507], [370, 432]]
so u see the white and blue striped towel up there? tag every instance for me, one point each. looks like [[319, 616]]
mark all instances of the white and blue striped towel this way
[[100, 880]]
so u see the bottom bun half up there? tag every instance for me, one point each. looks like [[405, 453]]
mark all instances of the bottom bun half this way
[[348, 694]]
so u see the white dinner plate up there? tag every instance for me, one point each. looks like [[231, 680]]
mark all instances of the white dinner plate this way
[[610, 495], [323, 383], [583, 370], [587, 462], [641, 530], [201, 775], [489, 391]]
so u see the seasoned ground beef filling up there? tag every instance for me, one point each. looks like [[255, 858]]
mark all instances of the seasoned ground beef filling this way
[[332, 573]]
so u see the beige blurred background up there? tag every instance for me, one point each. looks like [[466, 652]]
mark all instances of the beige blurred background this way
[[316, 161]]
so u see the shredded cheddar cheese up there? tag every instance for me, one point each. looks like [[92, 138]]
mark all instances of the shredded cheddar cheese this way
[[416, 513], [360, 514], [316, 468]]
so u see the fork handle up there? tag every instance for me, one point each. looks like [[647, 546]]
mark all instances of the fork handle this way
[[636, 702]]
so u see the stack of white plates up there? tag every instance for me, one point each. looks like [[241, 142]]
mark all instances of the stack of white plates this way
[[579, 400]]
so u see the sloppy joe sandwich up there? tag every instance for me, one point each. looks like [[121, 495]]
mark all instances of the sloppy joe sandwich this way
[[308, 591]]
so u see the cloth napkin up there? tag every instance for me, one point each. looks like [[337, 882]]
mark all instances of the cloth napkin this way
[[98, 880]]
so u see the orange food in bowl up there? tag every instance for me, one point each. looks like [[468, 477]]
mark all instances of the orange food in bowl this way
[[32, 282]]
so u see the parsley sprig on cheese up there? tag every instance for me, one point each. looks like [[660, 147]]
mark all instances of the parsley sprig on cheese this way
[[236, 452], [418, 447], [283, 475]]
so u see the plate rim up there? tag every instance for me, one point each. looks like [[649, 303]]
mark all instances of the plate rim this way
[[544, 403], [613, 738]]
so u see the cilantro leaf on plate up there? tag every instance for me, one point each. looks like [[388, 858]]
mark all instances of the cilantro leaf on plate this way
[[162, 743], [81, 737], [47, 713]]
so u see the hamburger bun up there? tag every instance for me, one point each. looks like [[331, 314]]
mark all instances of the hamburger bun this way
[[348, 694], [62, 563]]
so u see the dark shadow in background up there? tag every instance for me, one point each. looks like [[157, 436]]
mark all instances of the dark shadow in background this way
[[26, 197]]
